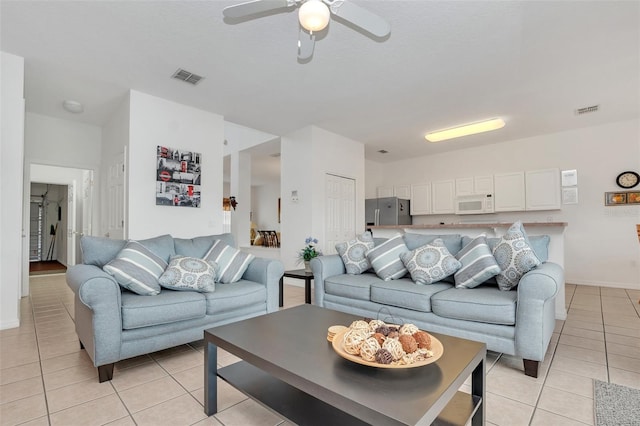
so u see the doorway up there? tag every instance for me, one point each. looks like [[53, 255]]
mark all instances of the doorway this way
[[48, 219]]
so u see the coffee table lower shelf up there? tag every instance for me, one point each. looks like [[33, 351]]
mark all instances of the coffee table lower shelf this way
[[302, 408]]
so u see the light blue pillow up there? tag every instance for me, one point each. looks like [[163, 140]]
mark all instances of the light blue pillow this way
[[514, 256], [199, 246], [453, 242], [385, 258], [539, 244], [137, 268], [478, 264], [189, 273], [354, 253], [232, 263], [430, 263]]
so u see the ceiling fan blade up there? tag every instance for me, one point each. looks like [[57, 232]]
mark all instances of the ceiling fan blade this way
[[252, 7], [306, 43], [360, 17]]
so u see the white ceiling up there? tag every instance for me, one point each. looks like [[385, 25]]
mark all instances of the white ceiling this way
[[445, 63]]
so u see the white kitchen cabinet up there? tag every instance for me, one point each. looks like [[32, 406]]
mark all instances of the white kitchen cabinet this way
[[385, 191], [420, 199], [402, 191], [442, 196], [509, 192], [474, 185], [543, 189]]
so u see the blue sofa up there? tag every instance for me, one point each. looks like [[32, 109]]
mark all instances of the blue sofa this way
[[519, 322], [113, 323]]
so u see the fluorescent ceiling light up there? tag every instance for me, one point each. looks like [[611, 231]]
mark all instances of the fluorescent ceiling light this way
[[465, 130]]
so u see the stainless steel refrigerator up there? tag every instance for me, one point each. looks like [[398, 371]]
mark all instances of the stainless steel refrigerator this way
[[386, 211]]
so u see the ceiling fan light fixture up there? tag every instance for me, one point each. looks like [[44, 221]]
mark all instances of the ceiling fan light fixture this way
[[465, 130], [314, 15]]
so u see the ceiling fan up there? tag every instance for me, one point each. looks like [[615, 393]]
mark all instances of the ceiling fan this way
[[313, 16]]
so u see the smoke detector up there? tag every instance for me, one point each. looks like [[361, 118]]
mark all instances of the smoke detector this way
[[186, 76], [73, 106]]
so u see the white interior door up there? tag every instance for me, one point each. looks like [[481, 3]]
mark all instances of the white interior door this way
[[71, 225], [116, 198], [340, 222]]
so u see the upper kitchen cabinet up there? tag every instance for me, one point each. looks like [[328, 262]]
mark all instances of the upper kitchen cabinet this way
[[474, 185], [509, 192], [400, 191], [420, 198], [543, 189], [442, 196]]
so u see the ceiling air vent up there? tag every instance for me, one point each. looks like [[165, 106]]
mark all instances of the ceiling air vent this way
[[187, 76], [585, 110], [383, 151]]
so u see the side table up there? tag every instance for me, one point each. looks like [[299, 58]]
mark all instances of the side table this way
[[300, 274]]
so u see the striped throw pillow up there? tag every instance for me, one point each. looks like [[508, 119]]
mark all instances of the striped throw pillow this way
[[232, 263], [385, 258], [478, 264], [137, 268]]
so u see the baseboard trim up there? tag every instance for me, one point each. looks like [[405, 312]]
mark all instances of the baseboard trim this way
[[610, 284], [9, 324]]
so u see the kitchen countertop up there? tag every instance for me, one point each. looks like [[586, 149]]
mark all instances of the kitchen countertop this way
[[470, 225]]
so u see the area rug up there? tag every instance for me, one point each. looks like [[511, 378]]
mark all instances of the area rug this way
[[616, 405]]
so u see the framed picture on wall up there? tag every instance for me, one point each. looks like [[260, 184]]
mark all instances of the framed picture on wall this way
[[177, 177], [615, 198], [633, 197]]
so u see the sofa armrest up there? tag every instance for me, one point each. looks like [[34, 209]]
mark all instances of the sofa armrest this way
[[324, 267], [98, 312], [535, 317], [267, 272]]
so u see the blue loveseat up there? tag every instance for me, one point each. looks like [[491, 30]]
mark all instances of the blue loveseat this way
[[113, 323], [519, 322]]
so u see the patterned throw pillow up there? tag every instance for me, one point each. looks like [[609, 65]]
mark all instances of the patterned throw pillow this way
[[232, 263], [385, 258], [514, 256], [354, 253], [430, 263], [478, 264], [189, 273], [136, 268]]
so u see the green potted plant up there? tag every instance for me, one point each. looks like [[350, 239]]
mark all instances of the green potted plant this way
[[308, 252]]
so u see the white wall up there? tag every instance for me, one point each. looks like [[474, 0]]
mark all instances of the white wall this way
[[307, 156], [601, 246], [155, 121], [264, 206], [11, 189]]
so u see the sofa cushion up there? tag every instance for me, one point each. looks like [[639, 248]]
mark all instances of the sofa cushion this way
[[404, 293], [99, 251], [385, 258], [354, 253], [137, 268], [165, 308], [199, 246], [514, 256], [483, 304], [453, 242], [478, 264], [189, 273], [430, 263], [539, 244], [232, 263], [351, 286], [161, 246], [232, 297]]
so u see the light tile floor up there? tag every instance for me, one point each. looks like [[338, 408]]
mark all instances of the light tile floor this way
[[45, 379]]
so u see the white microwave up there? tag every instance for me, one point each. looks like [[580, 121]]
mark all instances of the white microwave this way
[[474, 204]]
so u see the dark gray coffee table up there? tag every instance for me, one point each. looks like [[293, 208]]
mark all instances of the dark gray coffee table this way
[[289, 367]]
